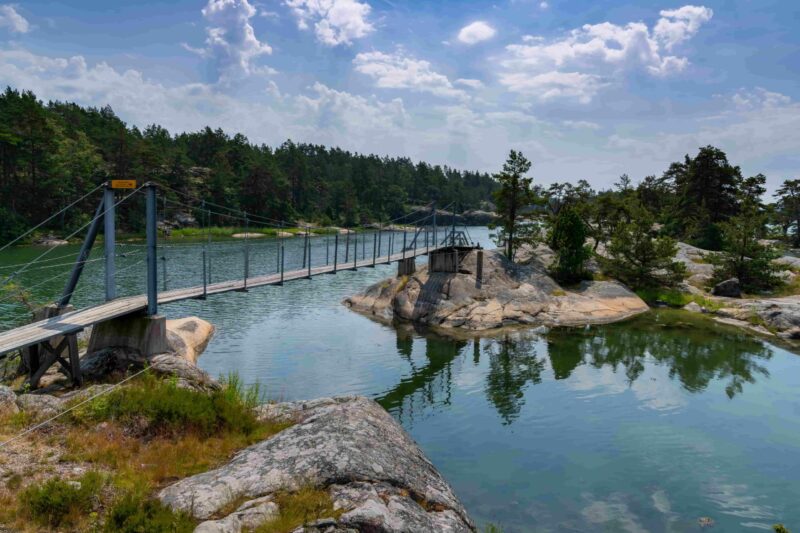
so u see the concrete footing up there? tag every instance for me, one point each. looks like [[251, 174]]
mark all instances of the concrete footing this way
[[146, 334], [406, 267]]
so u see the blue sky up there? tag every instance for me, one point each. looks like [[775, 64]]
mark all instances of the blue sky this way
[[587, 89]]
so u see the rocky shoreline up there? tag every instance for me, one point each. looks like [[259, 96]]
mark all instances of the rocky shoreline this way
[[350, 449], [377, 477], [506, 295]]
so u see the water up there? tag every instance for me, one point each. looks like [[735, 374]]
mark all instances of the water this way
[[642, 426]]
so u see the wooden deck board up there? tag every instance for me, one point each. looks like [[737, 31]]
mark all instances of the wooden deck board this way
[[75, 321]]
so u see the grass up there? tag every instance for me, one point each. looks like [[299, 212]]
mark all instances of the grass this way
[[144, 436], [675, 298], [299, 508]]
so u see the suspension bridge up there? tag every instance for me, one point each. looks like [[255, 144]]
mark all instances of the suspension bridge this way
[[133, 321]]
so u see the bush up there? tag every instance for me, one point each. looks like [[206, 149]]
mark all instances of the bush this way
[[162, 407], [58, 502], [569, 242], [744, 258], [135, 514], [639, 260]]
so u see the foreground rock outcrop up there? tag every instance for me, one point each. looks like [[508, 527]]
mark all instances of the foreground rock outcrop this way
[[376, 475], [507, 294]]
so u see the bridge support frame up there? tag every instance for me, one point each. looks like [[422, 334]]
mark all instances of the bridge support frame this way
[[406, 267], [62, 350], [145, 334]]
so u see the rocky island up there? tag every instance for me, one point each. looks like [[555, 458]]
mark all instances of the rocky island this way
[[507, 294]]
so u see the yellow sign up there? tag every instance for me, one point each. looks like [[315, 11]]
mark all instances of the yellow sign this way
[[123, 184]]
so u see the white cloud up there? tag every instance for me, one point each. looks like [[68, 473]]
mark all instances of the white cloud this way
[[581, 124], [9, 18], [554, 84], [678, 25], [581, 63], [397, 71], [476, 32], [543, 5], [335, 21], [472, 84], [231, 42]]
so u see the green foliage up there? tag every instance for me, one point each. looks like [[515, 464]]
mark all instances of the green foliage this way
[[162, 407], [674, 298], [780, 528], [568, 240], [707, 193], [514, 193], [58, 502], [639, 260], [743, 257], [134, 513], [787, 210]]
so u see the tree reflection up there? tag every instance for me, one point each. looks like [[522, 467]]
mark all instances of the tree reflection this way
[[696, 352], [512, 364]]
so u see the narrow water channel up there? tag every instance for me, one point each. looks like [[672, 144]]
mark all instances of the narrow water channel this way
[[647, 425]]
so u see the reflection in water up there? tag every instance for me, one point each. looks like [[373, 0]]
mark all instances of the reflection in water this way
[[693, 352], [513, 363]]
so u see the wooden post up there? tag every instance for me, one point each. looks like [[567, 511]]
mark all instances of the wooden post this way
[[374, 248], [347, 247], [308, 240], [355, 251], [205, 282], [282, 254]]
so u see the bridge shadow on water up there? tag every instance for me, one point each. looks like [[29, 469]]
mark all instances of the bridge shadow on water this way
[[692, 352]]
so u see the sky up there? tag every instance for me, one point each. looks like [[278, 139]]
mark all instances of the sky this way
[[586, 89]]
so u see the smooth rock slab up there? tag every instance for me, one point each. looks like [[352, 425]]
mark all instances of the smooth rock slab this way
[[338, 441]]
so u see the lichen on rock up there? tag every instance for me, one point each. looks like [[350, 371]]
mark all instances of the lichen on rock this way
[[375, 473]]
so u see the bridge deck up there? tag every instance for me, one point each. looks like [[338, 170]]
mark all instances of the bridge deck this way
[[75, 321]]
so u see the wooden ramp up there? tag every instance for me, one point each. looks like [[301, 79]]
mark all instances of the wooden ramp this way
[[75, 321]]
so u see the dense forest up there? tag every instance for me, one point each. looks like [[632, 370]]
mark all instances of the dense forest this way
[[52, 153]]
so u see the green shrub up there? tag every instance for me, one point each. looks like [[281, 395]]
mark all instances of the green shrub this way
[[744, 258], [135, 514], [639, 260], [568, 240], [162, 407], [58, 502]]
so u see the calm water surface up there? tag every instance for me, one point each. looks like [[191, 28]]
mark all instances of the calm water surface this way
[[642, 426]]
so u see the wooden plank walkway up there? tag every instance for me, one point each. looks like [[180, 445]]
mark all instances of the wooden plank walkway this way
[[75, 321]]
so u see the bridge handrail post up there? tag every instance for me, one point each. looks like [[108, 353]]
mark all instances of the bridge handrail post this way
[[391, 246], [355, 251], [380, 234], [347, 247], [282, 254], [404, 243], [374, 247], [364, 248], [109, 241], [164, 270], [152, 251], [246, 251], [327, 249], [308, 240], [205, 281], [335, 252], [278, 245], [305, 249]]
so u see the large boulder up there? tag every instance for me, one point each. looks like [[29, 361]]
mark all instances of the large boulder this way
[[188, 337], [188, 374], [729, 288], [350, 447], [507, 294], [8, 402], [40, 405]]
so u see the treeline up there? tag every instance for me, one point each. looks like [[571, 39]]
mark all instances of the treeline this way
[[632, 228], [52, 153]]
